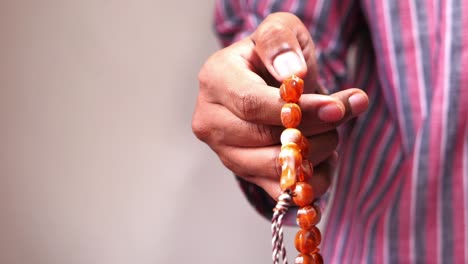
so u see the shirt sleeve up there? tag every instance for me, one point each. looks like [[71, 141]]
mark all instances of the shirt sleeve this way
[[332, 24]]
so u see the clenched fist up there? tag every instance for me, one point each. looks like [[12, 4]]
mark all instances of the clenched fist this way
[[238, 106]]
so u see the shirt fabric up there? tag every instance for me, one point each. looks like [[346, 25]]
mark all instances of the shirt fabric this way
[[401, 190]]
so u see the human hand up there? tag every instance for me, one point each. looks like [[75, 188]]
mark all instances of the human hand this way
[[238, 106]]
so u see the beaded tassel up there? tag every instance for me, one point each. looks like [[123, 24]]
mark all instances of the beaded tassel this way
[[295, 171]]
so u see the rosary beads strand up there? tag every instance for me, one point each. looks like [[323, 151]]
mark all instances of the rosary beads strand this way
[[295, 171]]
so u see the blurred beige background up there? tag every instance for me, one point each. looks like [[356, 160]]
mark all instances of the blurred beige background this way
[[98, 162]]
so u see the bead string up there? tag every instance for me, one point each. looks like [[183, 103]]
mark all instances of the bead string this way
[[295, 172], [279, 250]]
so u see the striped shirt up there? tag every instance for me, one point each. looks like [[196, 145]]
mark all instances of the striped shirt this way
[[401, 190]]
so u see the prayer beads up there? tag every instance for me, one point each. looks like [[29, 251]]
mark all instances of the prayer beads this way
[[308, 216], [296, 172], [291, 115], [292, 89]]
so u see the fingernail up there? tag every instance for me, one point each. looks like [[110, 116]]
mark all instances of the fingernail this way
[[330, 113], [287, 64], [358, 103]]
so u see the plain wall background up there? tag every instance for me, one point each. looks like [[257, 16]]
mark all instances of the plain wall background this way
[[98, 162]]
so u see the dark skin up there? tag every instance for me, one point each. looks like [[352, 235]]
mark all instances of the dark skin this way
[[238, 106]]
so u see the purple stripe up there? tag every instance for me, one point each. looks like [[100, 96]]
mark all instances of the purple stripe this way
[[421, 205], [423, 41], [371, 245], [451, 129], [399, 53], [321, 23], [393, 232]]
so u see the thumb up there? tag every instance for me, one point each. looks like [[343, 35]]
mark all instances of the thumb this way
[[285, 47]]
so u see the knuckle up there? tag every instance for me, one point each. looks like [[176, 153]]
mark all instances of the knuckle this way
[[209, 70], [277, 166], [227, 162], [200, 128], [232, 166], [269, 30], [203, 76], [249, 106]]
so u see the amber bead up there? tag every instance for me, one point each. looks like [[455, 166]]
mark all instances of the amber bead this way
[[291, 89], [318, 236], [304, 259], [317, 258], [292, 135], [305, 171], [306, 241], [290, 155], [291, 115], [308, 216], [288, 178], [303, 194]]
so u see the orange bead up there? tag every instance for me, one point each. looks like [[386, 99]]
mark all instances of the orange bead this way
[[304, 259], [305, 171], [291, 115], [291, 89], [288, 178], [303, 194], [306, 241], [317, 258], [291, 135], [290, 155], [318, 236], [308, 216]]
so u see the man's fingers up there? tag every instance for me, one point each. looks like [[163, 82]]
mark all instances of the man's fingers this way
[[353, 102], [322, 176], [263, 161], [223, 128], [285, 47], [320, 180], [321, 146]]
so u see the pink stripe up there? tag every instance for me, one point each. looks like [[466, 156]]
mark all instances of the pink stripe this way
[[263, 8], [288, 5], [309, 11]]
